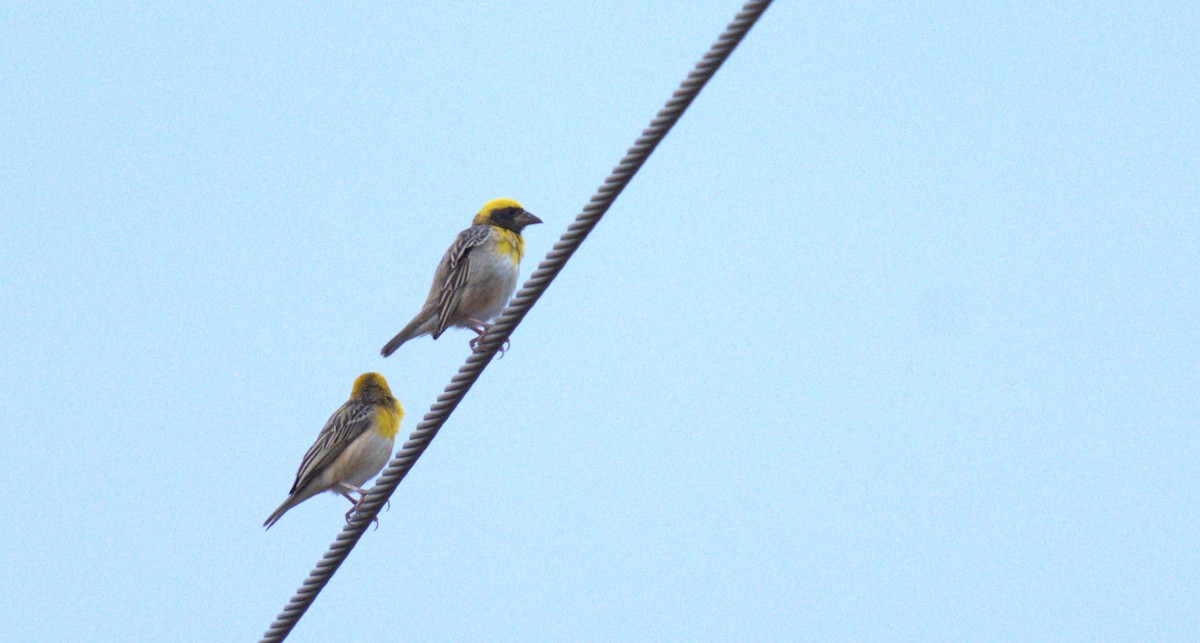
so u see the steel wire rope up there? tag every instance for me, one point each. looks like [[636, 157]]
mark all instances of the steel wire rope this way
[[499, 331]]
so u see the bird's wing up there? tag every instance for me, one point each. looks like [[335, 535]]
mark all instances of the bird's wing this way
[[343, 427], [458, 268]]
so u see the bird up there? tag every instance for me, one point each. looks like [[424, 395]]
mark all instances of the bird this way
[[352, 447], [476, 276]]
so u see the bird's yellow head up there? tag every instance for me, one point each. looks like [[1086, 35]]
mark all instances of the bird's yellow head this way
[[370, 386], [505, 213]]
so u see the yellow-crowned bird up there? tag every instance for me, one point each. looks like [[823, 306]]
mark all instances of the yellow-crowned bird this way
[[354, 445], [476, 277]]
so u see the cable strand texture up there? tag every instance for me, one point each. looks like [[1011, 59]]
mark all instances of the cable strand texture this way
[[546, 271]]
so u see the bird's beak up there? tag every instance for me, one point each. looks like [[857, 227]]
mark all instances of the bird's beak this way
[[526, 218]]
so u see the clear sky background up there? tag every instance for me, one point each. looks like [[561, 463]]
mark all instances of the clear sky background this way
[[894, 337]]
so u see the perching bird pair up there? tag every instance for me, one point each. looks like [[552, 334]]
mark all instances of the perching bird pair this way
[[473, 282]]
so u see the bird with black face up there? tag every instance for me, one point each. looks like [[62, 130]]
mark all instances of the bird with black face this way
[[475, 278]]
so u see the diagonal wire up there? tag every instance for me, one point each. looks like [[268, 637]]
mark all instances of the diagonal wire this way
[[420, 438]]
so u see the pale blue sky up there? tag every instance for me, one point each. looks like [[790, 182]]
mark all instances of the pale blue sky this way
[[894, 337]]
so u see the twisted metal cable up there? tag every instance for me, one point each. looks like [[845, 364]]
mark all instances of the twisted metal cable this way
[[499, 331]]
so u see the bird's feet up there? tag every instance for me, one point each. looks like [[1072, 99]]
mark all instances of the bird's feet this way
[[480, 331], [362, 495], [503, 347], [351, 512]]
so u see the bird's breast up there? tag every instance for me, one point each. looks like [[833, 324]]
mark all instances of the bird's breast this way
[[389, 422], [362, 459], [509, 244]]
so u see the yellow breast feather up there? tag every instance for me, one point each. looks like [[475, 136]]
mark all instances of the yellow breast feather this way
[[509, 243], [389, 420]]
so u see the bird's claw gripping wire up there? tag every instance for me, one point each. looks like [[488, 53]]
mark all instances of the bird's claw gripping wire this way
[[481, 329], [503, 347], [352, 510], [362, 495]]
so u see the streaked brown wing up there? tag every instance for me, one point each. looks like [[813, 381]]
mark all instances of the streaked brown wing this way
[[343, 427], [459, 261]]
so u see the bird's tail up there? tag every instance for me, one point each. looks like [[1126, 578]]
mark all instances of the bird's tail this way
[[278, 513], [415, 328]]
